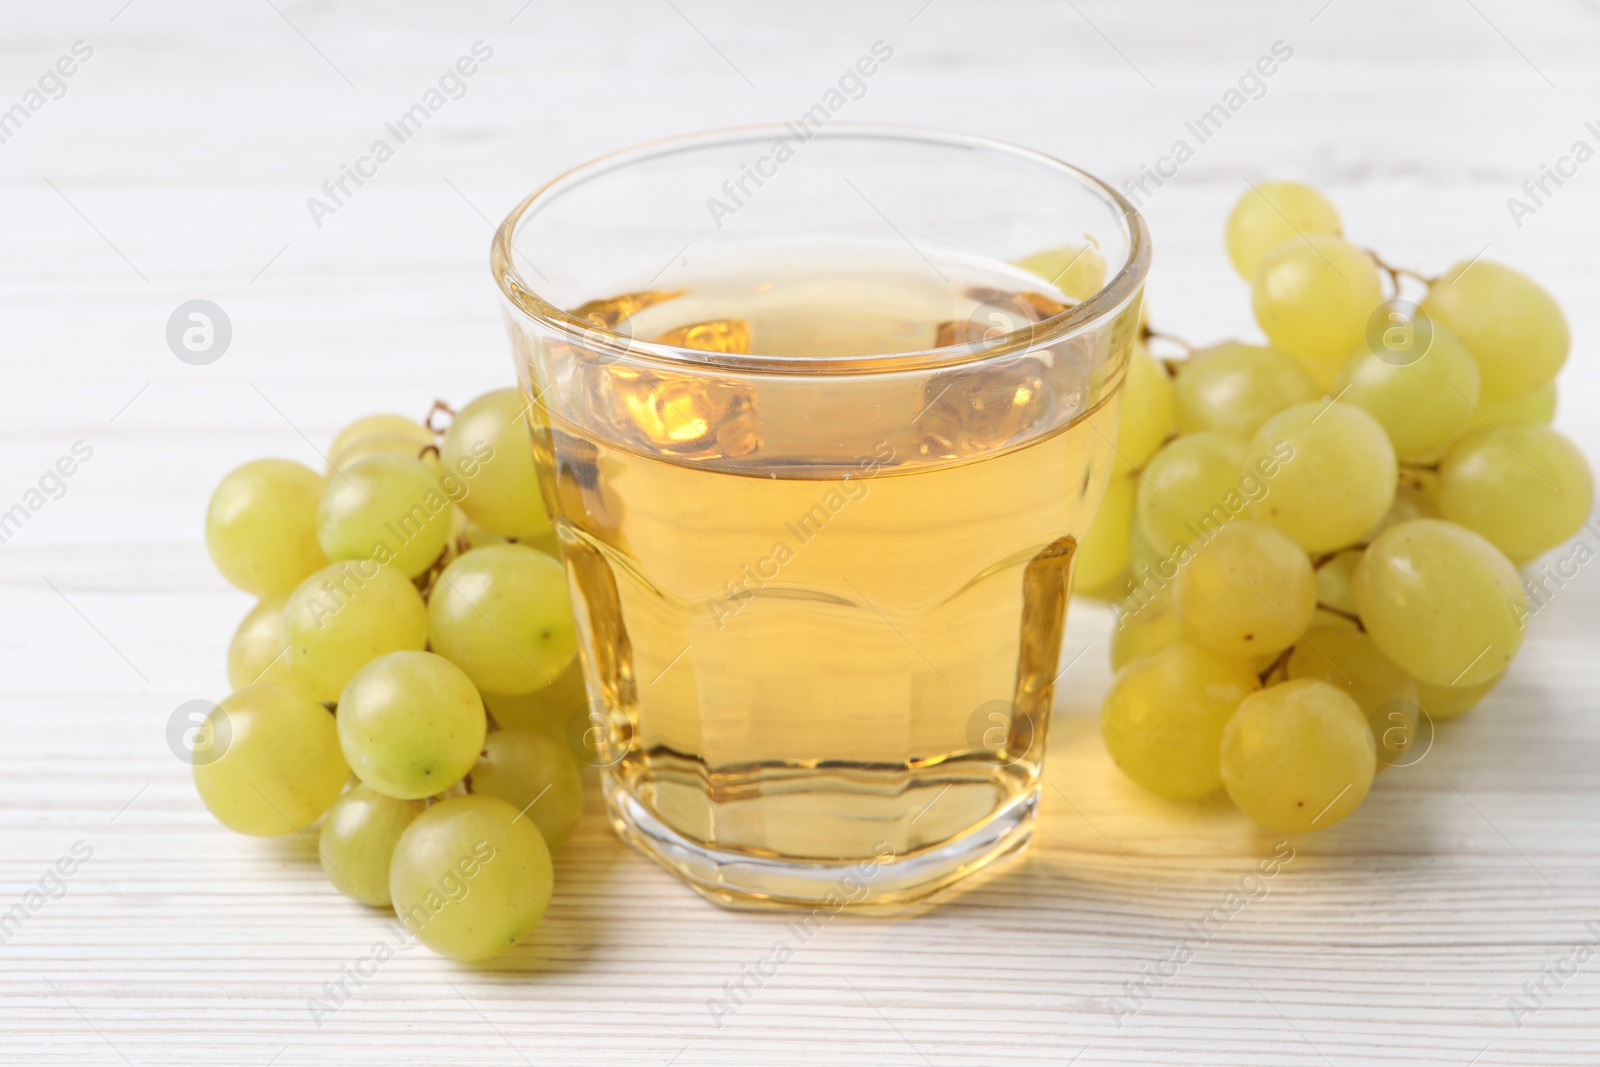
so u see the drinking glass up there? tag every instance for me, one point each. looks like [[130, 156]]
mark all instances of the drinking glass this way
[[821, 414]]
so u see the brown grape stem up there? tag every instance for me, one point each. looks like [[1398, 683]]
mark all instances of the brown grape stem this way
[[1281, 663], [439, 407]]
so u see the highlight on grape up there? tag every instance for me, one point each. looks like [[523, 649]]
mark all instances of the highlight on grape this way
[[1315, 636]]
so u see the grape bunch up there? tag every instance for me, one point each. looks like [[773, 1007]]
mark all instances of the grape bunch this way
[[408, 674], [1313, 543]]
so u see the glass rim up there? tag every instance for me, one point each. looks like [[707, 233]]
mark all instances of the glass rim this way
[[1096, 308]]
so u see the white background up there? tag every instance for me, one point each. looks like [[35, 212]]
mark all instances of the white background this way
[[177, 166]]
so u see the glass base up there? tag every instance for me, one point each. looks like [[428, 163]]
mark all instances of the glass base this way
[[885, 886]]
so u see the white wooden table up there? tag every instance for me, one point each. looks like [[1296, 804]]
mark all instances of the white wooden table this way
[[177, 166]]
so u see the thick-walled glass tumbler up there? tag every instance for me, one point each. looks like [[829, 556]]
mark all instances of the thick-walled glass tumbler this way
[[820, 414]]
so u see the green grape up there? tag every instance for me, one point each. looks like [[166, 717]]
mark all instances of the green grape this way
[[280, 766], [1451, 701], [489, 448], [548, 709], [411, 724], [1103, 554], [1298, 756], [1146, 410], [261, 526], [1525, 488], [358, 839], [1077, 270], [1270, 214], [1529, 409], [256, 653], [1441, 601], [535, 774], [502, 614], [384, 426], [1145, 629], [1334, 474], [1352, 662], [1190, 489], [1413, 499], [1249, 591], [385, 507], [1322, 617], [470, 877], [1422, 404], [1334, 578], [1164, 718], [1512, 326], [345, 616], [1313, 297], [1235, 387]]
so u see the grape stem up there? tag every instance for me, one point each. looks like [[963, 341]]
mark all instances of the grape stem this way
[[1169, 364], [1352, 616], [439, 407], [1395, 274], [1281, 663]]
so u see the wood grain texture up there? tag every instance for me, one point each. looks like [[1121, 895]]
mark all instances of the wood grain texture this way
[[177, 166]]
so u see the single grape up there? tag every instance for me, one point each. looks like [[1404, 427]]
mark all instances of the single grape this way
[[1103, 554], [548, 709], [256, 653], [1146, 410], [1421, 404], [280, 766], [488, 447], [1270, 214], [381, 426], [1525, 488], [1413, 499], [1164, 717], [502, 614], [382, 434], [358, 839], [1512, 326], [385, 507], [1190, 489], [1077, 270], [1298, 756], [471, 877], [1234, 388], [1249, 591], [1313, 296], [1529, 409], [1143, 629], [411, 724], [345, 616], [1351, 662], [1334, 474], [1334, 578], [261, 525], [1441, 601], [1451, 701], [535, 774]]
